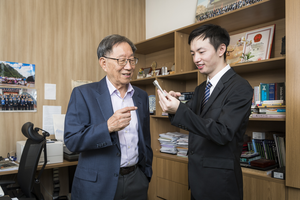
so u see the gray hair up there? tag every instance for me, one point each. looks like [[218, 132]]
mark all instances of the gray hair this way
[[106, 45]]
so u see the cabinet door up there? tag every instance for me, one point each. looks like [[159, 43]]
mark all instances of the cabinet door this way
[[170, 190], [263, 188]]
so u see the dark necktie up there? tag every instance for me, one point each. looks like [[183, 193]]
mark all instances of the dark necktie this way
[[206, 94]]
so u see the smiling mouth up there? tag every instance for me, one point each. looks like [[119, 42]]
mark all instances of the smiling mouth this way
[[200, 66], [126, 74]]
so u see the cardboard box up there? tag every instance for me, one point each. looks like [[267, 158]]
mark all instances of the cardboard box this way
[[259, 135]]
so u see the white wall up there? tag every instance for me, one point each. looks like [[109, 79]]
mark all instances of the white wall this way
[[163, 16]]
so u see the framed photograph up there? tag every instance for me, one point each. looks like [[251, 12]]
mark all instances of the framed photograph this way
[[17, 74], [252, 45], [18, 100], [157, 72]]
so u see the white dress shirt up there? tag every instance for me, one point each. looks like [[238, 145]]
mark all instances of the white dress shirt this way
[[128, 137]]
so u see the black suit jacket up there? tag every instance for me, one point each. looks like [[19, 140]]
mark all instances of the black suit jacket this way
[[216, 137]]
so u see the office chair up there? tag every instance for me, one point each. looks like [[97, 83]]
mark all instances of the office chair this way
[[28, 184]]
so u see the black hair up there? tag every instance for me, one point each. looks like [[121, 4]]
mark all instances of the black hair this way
[[216, 34], [106, 45]]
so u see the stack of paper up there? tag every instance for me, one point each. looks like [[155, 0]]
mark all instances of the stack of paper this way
[[169, 142], [182, 146]]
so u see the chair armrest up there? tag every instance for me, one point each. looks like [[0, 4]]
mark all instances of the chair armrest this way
[[6, 182]]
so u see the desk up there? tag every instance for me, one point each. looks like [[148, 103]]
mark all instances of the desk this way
[[65, 163], [66, 177]]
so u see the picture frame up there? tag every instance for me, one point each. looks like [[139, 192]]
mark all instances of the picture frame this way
[[254, 45], [147, 70], [21, 74], [262, 43], [157, 72], [206, 9]]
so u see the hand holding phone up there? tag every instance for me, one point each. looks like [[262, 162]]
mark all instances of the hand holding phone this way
[[158, 87]]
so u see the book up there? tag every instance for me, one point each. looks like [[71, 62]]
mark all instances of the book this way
[[278, 150], [276, 111], [271, 91], [280, 91], [262, 163], [249, 154], [248, 160], [256, 95], [259, 147], [267, 116], [282, 149], [264, 91]]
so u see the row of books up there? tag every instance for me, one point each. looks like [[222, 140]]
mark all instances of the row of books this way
[[269, 91], [271, 149], [174, 143]]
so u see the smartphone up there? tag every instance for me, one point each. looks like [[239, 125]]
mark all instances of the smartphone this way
[[158, 87]]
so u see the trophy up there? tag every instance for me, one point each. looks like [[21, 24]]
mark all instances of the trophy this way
[[153, 66]]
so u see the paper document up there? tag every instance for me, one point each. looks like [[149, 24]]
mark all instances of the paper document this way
[[59, 123]]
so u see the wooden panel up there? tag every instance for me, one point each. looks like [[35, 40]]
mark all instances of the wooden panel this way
[[183, 58], [152, 184], [172, 170], [268, 76], [292, 93], [263, 188], [293, 193], [170, 190], [61, 39], [265, 126]]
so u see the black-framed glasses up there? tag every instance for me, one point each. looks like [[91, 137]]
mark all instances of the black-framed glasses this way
[[123, 61]]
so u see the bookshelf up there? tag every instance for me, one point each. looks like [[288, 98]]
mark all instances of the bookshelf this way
[[169, 179]]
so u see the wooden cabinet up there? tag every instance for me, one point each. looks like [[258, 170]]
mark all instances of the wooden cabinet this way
[[172, 47]]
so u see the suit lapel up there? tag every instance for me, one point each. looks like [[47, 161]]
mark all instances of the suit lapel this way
[[219, 87], [200, 97], [105, 105], [137, 100]]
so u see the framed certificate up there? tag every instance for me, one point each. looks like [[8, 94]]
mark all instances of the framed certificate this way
[[252, 45], [261, 41]]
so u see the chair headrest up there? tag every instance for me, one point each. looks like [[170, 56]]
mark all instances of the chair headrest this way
[[30, 133]]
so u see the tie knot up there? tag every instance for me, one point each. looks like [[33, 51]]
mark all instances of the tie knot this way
[[208, 85]]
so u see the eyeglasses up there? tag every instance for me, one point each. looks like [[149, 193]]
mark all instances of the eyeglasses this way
[[123, 61]]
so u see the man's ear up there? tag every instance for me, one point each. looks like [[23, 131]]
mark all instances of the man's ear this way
[[222, 49], [103, 63]]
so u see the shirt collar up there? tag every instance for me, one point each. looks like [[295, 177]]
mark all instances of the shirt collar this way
[[218, 76], [112, 89]]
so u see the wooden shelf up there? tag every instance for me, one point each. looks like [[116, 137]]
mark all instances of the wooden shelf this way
[[252, 15], [248, 171], [263, 65], [143, 81], [259, 173], [157, 116], [182, 76], [159, 43]]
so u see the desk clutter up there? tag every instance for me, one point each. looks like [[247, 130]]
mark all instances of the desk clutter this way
[[174, 143], [6, 165]]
